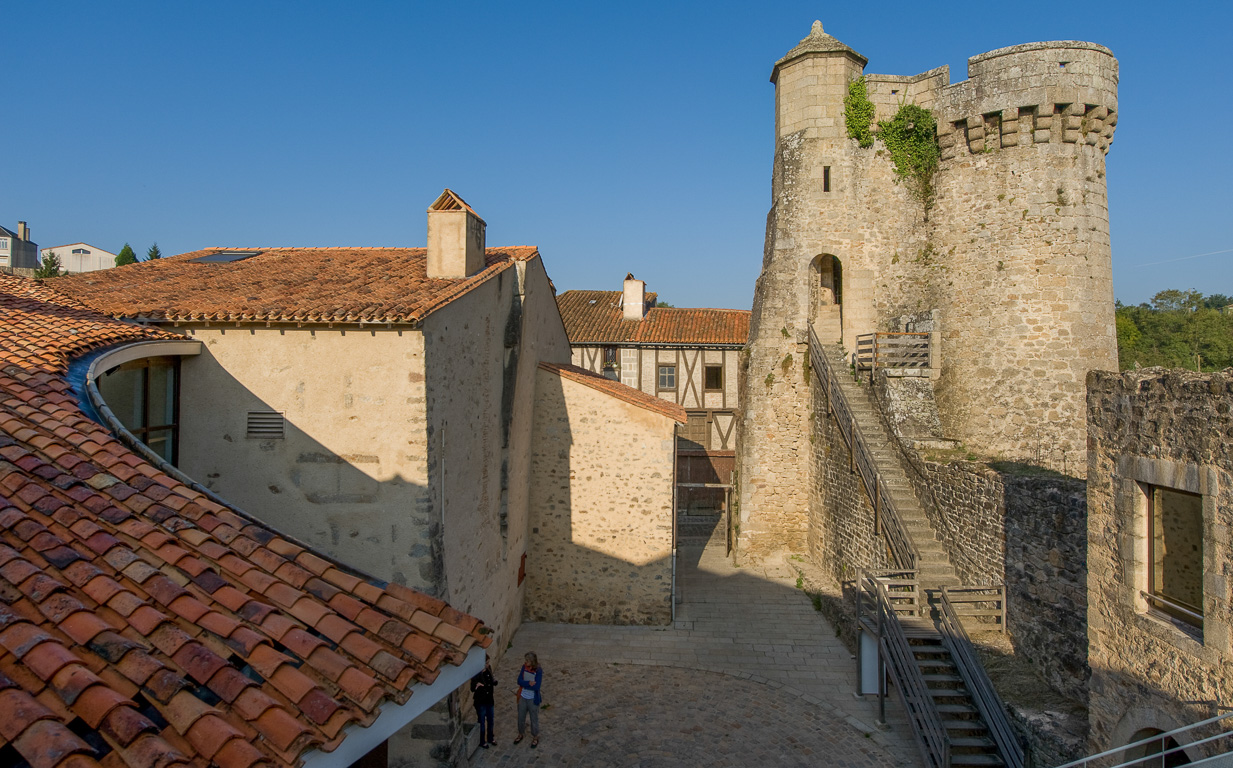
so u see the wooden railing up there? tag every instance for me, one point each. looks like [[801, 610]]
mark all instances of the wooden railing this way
[[963, 601], [895, 656], [896, 352], [885, 517]]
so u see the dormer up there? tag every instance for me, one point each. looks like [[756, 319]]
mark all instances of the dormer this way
[[455, 238]]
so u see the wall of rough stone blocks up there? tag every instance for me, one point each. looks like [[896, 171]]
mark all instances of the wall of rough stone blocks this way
[[1026, 531], [601, 503], [1173, 429], [841, 536]]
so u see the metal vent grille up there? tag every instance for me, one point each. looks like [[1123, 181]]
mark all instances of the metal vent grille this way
[[267, 425]]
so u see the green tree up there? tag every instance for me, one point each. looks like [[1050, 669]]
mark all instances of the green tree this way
[[662, 303], [126, 256], [50, 266], [154, 253], [1177, 329]]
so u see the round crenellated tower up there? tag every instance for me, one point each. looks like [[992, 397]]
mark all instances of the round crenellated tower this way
[[1008, 263]]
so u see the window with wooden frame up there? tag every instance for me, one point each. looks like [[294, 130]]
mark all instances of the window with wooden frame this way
[[144, 395], [1175, 553], [612, 366], [667, 377], [713, 378]]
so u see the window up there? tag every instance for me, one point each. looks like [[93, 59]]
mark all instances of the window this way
[[144, 396], [81, 252], [611, 368], [826, 178], [713, 377], [667, 377], [4, 243], [1175, 553]]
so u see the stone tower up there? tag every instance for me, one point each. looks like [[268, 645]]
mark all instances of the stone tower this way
[[1010, 264]]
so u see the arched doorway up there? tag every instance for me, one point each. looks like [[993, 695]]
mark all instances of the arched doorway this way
[[826, 298], [1155, 748]]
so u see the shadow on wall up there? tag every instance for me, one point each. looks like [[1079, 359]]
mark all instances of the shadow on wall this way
[[600, 548], [353, 506]]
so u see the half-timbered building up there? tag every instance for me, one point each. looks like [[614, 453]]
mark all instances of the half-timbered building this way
[[686, 356]]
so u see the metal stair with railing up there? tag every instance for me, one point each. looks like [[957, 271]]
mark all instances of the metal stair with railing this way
[[874, 456]]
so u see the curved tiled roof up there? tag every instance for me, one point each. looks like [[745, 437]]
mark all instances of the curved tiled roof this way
[[618, 390], [311, 285], [143, 624], [595, 317]]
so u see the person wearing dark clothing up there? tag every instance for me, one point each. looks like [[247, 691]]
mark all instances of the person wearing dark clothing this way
[[481, 687]]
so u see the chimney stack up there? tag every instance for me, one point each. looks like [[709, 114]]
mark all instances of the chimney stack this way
[[23, 232], [455, 238], [634, 298]]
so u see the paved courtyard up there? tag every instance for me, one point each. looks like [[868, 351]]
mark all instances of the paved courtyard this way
[[749, 675]]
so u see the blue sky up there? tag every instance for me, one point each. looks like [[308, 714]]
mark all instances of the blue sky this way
[[617, 137]]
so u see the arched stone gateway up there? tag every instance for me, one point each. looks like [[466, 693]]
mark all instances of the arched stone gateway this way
[[1155, 748], [826, 298]]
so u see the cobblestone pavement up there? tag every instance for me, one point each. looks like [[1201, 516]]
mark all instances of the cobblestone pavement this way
[[749, 675]]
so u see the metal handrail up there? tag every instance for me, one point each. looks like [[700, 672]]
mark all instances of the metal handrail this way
[[1160, 758], [895, 656], [992, 709], [885, 517]]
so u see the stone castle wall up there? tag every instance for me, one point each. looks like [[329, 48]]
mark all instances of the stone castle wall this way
[[1171, 429], [1013, 257]]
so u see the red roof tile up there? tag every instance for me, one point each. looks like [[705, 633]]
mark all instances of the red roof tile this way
[[107, 596], [310, 285], [607, 386], [595, 317]]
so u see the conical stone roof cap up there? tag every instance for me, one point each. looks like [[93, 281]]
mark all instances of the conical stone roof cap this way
[[817, 42]]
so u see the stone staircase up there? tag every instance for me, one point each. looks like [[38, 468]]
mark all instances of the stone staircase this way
[[934, 566], [970, 741]]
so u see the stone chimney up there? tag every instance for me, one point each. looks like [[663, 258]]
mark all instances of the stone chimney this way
[[23, 232], [634, 298], [455, 238]]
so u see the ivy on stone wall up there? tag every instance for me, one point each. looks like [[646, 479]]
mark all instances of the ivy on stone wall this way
[[911, 138], [858, 112]]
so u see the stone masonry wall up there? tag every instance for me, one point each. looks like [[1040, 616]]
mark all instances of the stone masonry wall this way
[[601, 508], [1170, 429], [841, 536], [1026, 531]]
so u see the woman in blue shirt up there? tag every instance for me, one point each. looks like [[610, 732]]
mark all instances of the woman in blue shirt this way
[[530, 677]]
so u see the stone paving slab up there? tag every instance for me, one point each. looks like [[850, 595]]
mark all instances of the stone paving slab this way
[[749, 674], [604, 714]]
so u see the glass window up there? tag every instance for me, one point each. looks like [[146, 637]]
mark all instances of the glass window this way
[[143, 396], [667, 377], [714, 377], [1175, 553]]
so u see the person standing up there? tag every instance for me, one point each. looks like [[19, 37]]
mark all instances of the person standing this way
[[482, 686], [530, 677]]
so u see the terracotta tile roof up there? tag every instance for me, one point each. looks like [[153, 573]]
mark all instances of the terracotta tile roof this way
[[618, 390], [315, 285], [595, 317], [141, 623]]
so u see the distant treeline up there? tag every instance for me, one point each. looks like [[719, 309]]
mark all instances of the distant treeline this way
[[1177, 329]]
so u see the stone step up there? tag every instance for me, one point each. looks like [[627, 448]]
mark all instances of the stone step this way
[[980, 759]]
